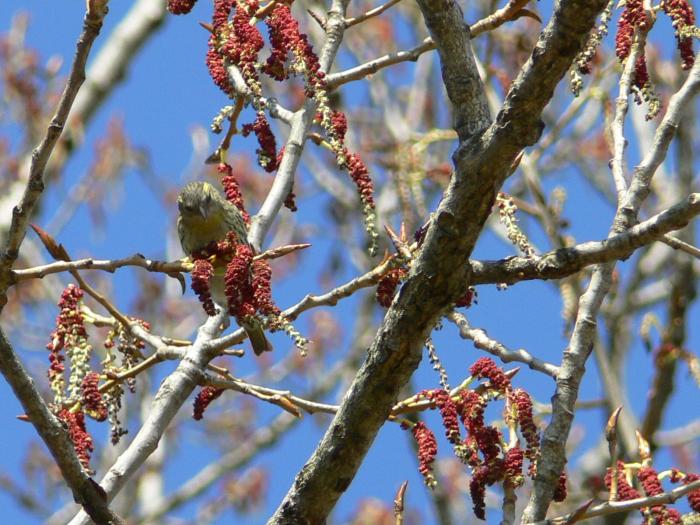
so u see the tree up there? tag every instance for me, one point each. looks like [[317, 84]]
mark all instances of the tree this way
[[398, 234]]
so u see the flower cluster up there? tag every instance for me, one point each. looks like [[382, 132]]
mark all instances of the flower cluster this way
[[203, 399], [386, 288], [467, 299], [427, 451], [360, 176], [238, 285], [82, 442], [652, 487], [693, 497], [181, 7], [69, 336], [625, 491], [513, 466], [267, 152], [128, 346], [560, 490], [485, 368], [634, 18], [483, 448], [506, 213], [232, 189], [201, 274], [448, 411], [113, 400], [582, 62], [92, 402], [683, 20], [129, 349], [521, 403], [285, 39]]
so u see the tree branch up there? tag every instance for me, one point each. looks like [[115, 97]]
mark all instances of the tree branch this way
[[553, 454], [614, 507], [439, 274], [300, 124], [92, 23], [563, 262], [484, 342]]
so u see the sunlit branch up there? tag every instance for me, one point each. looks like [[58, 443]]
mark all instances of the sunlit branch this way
[[567, 261], [137, 260], [349, 22], [493, 347], [614, 507], [489, 23]]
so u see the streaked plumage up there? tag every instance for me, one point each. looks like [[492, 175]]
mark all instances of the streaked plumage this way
[[206, 216]]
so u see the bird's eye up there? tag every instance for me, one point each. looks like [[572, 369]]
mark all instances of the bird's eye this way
[[189, 208]]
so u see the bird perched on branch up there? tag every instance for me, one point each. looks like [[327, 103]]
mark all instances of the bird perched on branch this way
[[205, 217]]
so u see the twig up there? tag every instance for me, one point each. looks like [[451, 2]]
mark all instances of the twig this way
[[614, 507], [138, 260], [484, 342], [368, 68], [611, 438], [282, 398], [508, 507], [566, 261], [169, 268], [683, 246], [349, 22], [21, 214], [399, 503]]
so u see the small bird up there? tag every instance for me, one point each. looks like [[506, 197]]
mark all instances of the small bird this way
[[206, 217]]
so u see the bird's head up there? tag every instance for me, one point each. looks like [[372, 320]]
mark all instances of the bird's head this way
[[198, 201]]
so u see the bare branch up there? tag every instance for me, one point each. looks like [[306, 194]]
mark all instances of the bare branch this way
[[21, 214], [489, 23], [349, 22], [567, 261], [614, 507], [484, 342]]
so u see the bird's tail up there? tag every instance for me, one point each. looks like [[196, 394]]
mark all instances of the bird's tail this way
[[257, 339]]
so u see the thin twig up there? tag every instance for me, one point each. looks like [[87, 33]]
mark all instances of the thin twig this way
[[614, 507], [484, 342], [21, 214], [567, 261], [349, 22], [368, 68]]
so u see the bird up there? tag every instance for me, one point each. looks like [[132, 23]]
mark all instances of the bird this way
[[205, 216]]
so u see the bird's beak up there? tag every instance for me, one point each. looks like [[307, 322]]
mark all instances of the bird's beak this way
[[204, 211]]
